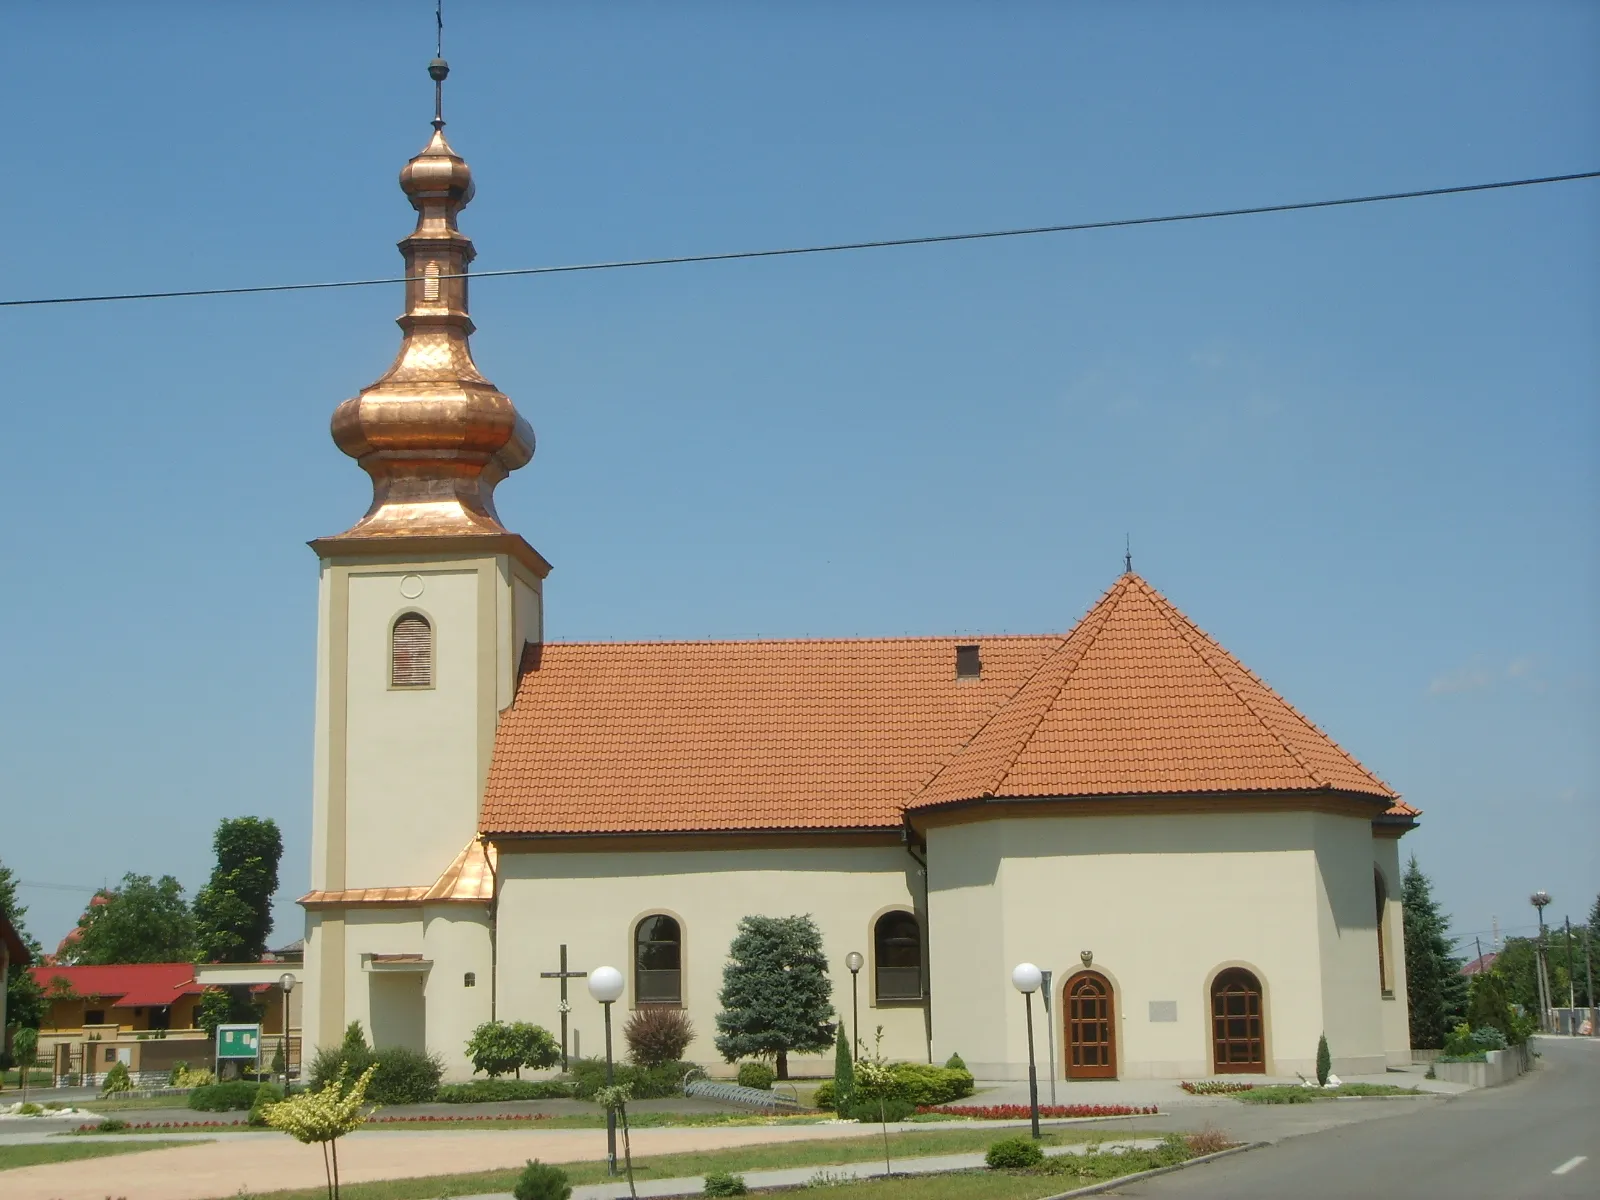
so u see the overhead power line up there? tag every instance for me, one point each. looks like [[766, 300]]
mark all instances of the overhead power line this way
[[832, 248]]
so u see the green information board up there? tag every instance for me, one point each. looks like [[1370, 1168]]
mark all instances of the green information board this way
[[238, 1041]]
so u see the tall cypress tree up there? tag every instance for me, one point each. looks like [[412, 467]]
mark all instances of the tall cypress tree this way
[[1436, 991]]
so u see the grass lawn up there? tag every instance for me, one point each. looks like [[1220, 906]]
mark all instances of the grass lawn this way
[[820, 1154], [35, 1153], [100, 1105], [1293, 1094]]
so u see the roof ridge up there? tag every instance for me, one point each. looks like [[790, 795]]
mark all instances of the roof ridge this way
[[1171, 612], [1106, 604], [1005, 704], [794, 641]]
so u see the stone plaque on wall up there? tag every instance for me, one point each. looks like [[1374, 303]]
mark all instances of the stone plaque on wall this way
[[1163, 1010]]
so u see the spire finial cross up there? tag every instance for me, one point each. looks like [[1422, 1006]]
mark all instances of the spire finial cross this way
[[438, 69], [1127, 555]]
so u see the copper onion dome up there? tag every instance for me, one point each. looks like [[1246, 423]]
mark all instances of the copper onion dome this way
[[433, 433]]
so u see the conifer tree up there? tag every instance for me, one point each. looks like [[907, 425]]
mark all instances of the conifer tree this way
[[775, 992], [1436, 991]]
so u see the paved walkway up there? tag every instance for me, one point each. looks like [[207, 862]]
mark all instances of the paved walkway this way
[[800, 1176]]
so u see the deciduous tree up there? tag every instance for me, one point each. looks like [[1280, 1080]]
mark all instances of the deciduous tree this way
[[233, 911], [142, 920], [775, 992], [1436, 991], [24, 1001]]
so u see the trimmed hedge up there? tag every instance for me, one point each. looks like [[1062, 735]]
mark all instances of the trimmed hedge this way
[[236, 1095], [648, 1083], [490, 1091], [921, 1085]]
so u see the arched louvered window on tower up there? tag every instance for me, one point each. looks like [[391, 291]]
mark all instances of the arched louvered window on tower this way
[[411, 652]]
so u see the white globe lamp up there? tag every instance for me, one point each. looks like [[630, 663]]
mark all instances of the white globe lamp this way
[[1026, 978], [605, 984]]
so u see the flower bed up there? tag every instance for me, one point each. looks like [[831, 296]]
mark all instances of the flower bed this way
[[128, 1126], [1215, 1087], [1013, 1112]]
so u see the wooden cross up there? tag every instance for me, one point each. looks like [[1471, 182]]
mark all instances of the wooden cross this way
[[563, 975]]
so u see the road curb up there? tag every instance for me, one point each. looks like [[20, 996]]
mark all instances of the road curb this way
[[1095, 1188]]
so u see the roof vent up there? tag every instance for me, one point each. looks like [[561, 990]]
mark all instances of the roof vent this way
[[968, 664]]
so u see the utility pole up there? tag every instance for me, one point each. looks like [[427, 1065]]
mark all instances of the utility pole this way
[[1572, 976], [1588, 963]]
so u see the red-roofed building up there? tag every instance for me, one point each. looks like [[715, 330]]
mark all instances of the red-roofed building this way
[[12, 950], [1211, 880]]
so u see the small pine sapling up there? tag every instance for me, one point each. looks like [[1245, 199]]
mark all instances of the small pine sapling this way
[[1324, 1061]]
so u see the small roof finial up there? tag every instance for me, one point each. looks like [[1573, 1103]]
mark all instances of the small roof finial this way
[[438, 69], [1127, 555]]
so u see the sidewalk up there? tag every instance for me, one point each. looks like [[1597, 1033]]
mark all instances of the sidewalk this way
[[1167, 1095], [800, 1176]]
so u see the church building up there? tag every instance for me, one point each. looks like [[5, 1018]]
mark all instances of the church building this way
[[1210, 880]]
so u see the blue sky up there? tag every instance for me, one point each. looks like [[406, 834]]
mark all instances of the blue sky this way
[[1357, 446]]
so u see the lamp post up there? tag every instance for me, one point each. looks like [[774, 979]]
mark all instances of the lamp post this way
[[286, 982], [854, 961], [1026, 978], [605, 985], [1539, 899]]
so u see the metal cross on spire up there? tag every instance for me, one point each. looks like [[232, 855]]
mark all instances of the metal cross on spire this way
[[1127, 555], [438, 69]]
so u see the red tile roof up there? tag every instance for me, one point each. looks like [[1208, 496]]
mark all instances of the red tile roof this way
[[797, 735], [128, 985], [1138, 700]]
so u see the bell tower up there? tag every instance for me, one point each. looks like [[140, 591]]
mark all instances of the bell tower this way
[[424, 607]]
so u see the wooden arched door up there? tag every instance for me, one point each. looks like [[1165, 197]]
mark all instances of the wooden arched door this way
[[1090, 1008], [1238, 1044]]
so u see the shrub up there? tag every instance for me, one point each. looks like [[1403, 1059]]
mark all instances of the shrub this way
[[499, 1048], [826, 1093], [866, 1110], [1014, 1153], [1215, 1087], [756, 1075], [844, 1073], [177, 1073], [117, 1079], [1460, 1042], [235, 1095], [644, 1083], [111, 1125], [193, 1077], [721, 1183], [267, 1094], [405, 1076], [1207, 1141], [929, 1085], [29, 1109], [491, 1091], [1324, 1061], [954, 1063], [658, 1035], [1488, 1038], [541, 1181]]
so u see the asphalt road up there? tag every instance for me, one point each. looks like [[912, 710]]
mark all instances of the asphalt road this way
[[1500, 1142]]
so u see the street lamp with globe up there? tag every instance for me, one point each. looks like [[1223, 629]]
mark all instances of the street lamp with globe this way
[[1539, 899], [855, 962], [1027, 978], [605, 985], [286, 982]]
